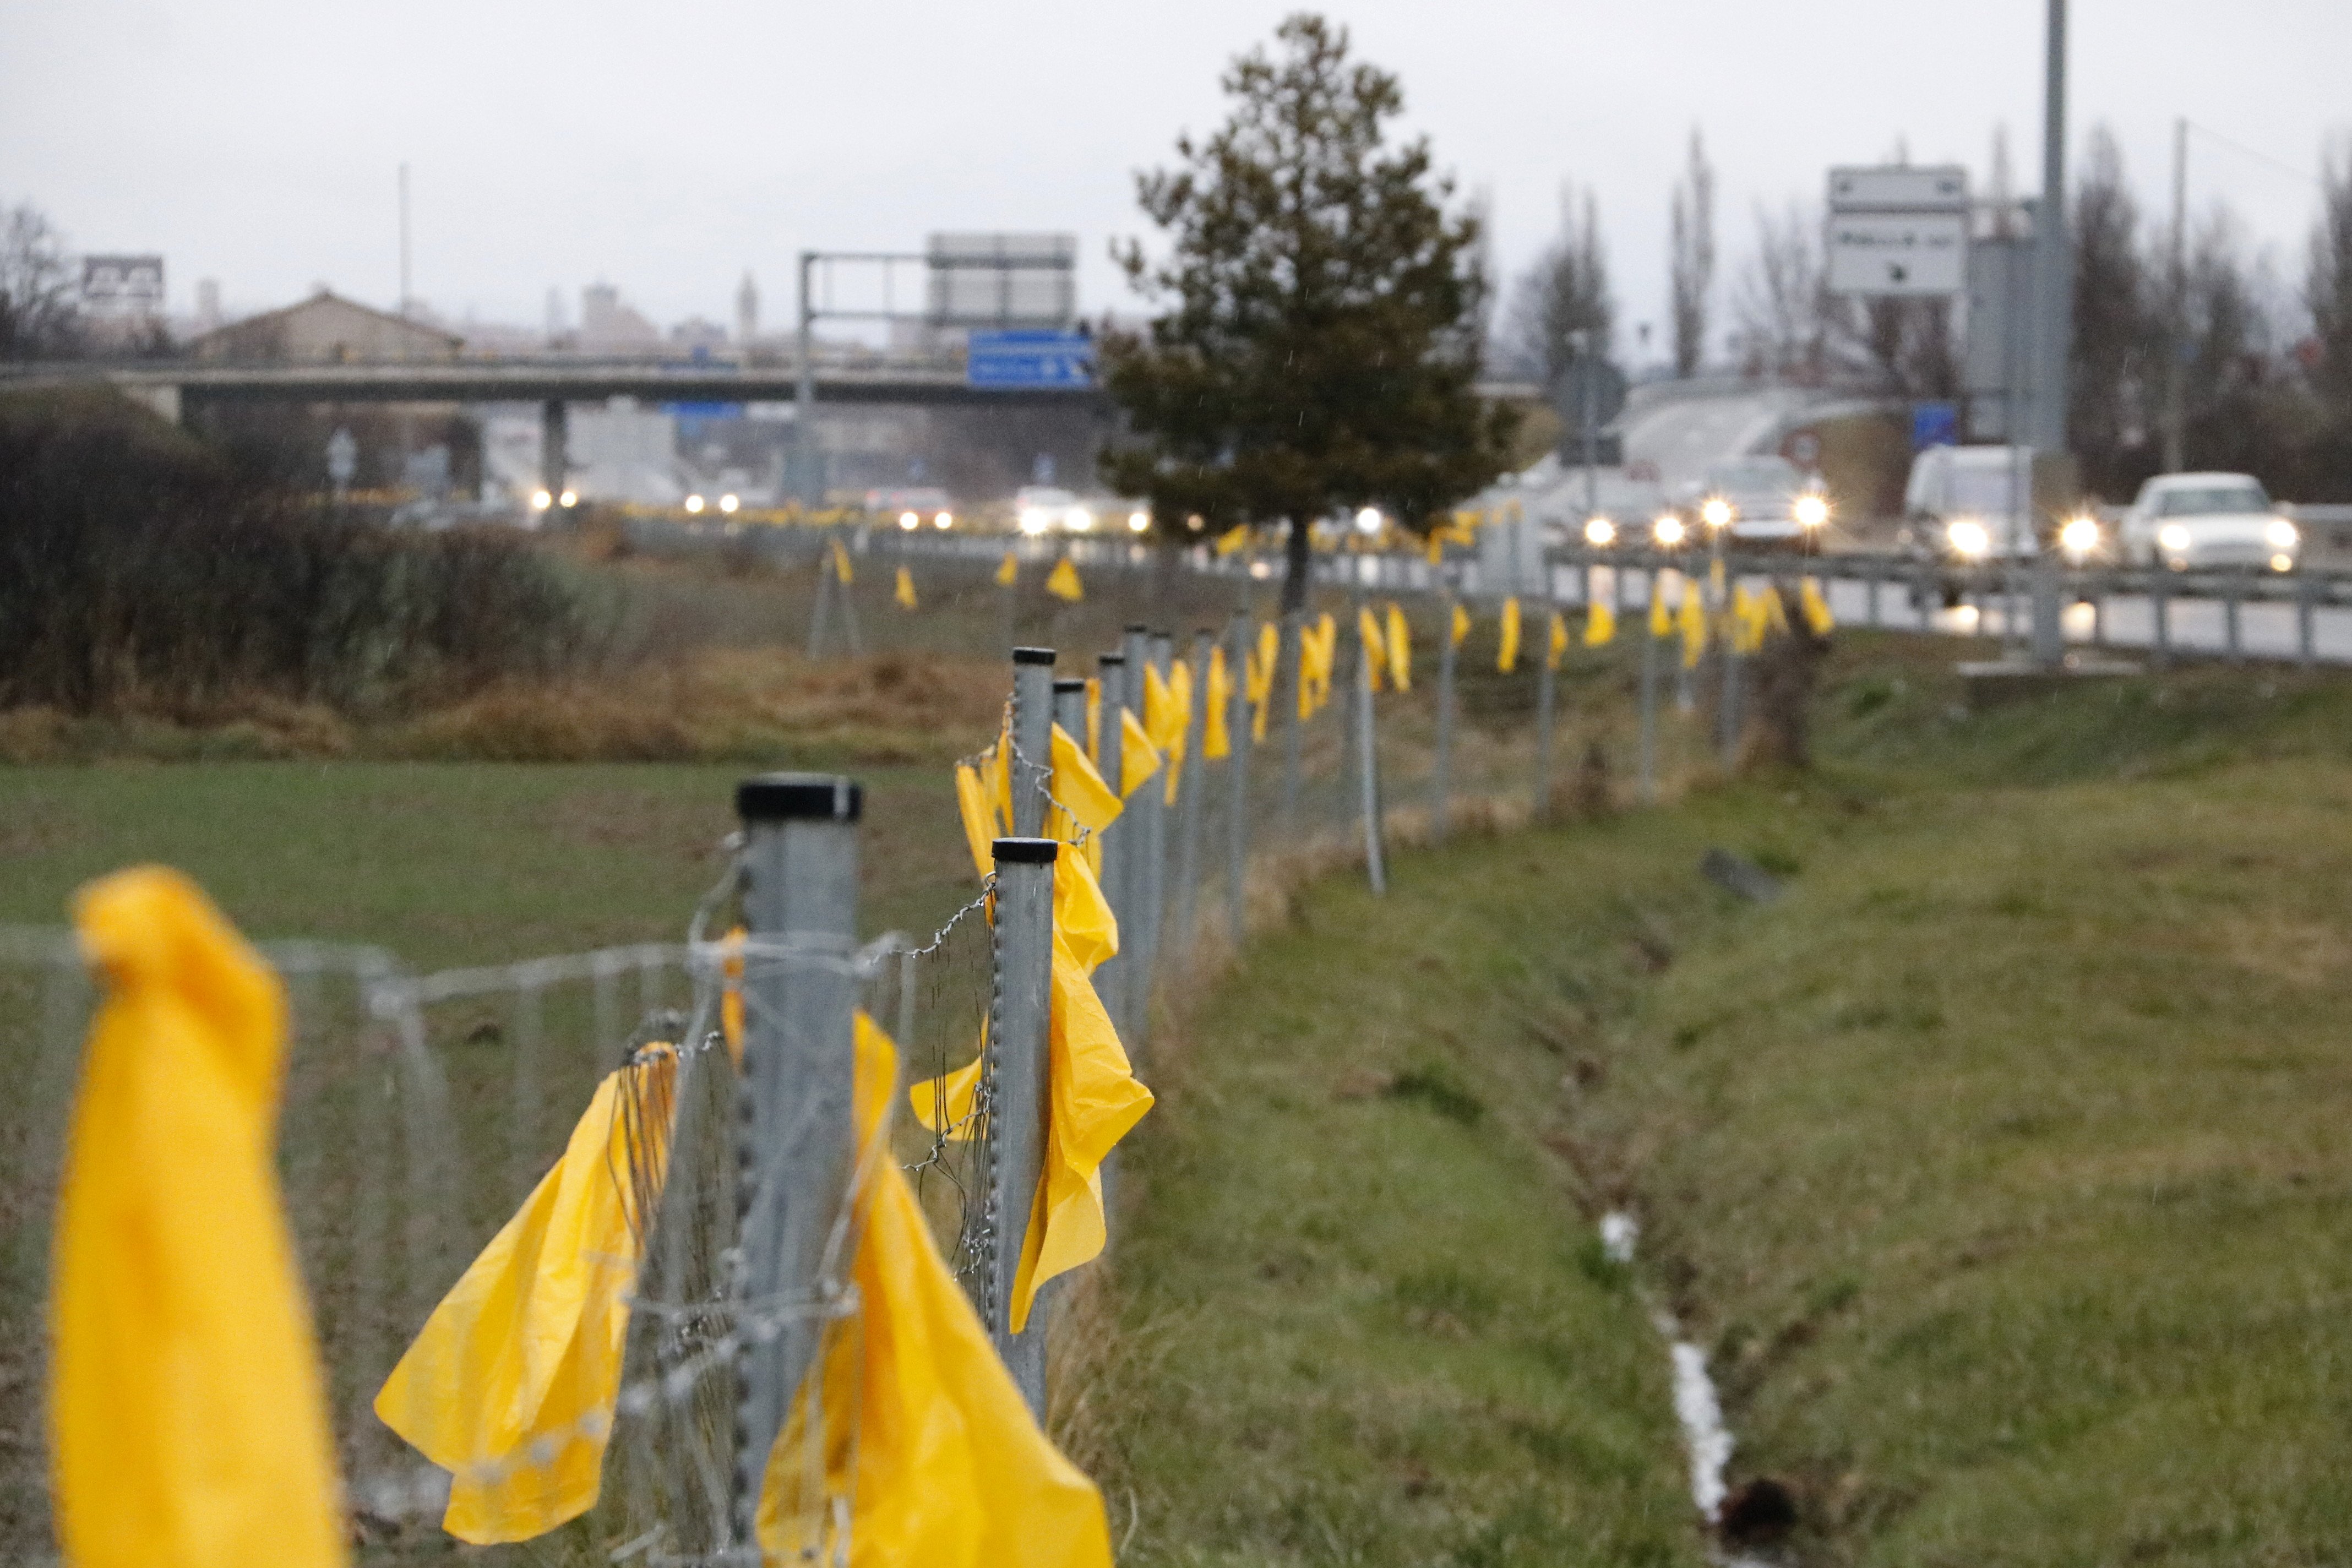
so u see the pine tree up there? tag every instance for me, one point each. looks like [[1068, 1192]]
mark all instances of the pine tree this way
[[1318, 345]]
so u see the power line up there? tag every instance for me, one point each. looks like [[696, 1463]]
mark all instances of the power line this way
[[2255, 153]]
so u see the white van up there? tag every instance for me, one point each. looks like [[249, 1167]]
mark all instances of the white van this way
[[1971, 504]]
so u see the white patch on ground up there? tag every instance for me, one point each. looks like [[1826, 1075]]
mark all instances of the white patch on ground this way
[[1705, 1436]]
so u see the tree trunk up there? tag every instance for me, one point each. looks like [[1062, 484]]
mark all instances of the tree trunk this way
[[1298, 554], [1785, 670]]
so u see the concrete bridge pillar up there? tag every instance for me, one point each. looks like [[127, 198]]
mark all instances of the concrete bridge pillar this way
[[554, 457]]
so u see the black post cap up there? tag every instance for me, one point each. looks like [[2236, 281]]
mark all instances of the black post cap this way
[[1138, 629], [799, 798], [1110, 659], [1025, 851], [1067, 683], [1032, 655]]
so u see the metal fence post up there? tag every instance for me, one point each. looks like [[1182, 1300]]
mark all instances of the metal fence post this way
[[1871, 578], [1730, 715], [1142, 842], [1070, 707], [1287, 692], [1237, 782], [2304, 587], [796, 1144], [1441, 774], [1015, 1096], [1925, 593], [1649, 740], [1547, 680], [2232, 596], [2161, 609], [1110, 975], [1367, 766], [1033, 738], [1187, 798]]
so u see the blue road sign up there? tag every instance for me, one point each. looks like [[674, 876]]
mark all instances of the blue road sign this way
[[1935, 424], [1030, 359]]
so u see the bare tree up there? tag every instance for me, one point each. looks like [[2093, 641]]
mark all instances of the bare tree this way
[[38, 318], [2328, 288], [1693, 264], [1565, 292], [2118, 327], [1781, 304]]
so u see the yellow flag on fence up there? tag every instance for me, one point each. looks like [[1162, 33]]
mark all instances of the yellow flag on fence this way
[[1661, 620], [1817, 619], [1776, 614], [1400, 646], [1461, 624], [1436, 549], [1600, 624], [1063, 583], [1139, 759], [906, 590], [1216, 736], [1507, 658], [1094, 718], [1168, 716], [927, 1453], [1556, 641], [1232, 540], [1008, 571], [187, 1414], [1080, 799], [841, 563], [1376, 653], [1693, 620], [511, 1383]]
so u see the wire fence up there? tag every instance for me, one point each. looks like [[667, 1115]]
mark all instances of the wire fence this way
[[676, 1133]]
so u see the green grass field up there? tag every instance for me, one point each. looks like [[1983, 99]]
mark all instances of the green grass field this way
[[1998, 1165]]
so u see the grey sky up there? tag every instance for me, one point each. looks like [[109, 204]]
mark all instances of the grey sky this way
[[667, 148]]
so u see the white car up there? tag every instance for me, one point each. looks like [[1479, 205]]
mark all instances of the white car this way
[[1972, 504], [1041, 509], [1763, 500], [2184, 520]]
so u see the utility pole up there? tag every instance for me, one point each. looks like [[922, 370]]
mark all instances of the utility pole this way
[[2176, 370], [804, 394], [404, 256], [2053, 275]]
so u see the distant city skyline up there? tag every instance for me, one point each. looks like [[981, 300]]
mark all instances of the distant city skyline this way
[[668, 153]]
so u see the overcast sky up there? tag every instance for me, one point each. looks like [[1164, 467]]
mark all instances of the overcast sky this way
[[667, 148]]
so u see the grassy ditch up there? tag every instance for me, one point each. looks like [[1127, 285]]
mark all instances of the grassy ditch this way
[[1997, 1165]]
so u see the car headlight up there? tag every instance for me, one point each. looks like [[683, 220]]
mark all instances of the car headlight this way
[[568, 499], [1080, 519], [2280, 534], [943, 519], [1812, 511], [909, 521], [1139, 522], [1034, 520], [2282, 562], [728, 504], [1716, 512], [2173, 537], [1667, 530], [1599, 532], [694, 503], [1969, 539], [541, 500], [2079, 536]]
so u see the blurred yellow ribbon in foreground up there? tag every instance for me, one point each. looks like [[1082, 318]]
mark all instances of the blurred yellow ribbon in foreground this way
[[1400, 648], [923, 1434], [1216, 735], [186, 1402], [1506, 654]]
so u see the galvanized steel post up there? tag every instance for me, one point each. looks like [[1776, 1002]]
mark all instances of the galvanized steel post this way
[[1238, 783], [796, 1145], [1015, 1096], [1110, 975], [1441, 775], [1033, 738], [1188, 807], [1546, 678]]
